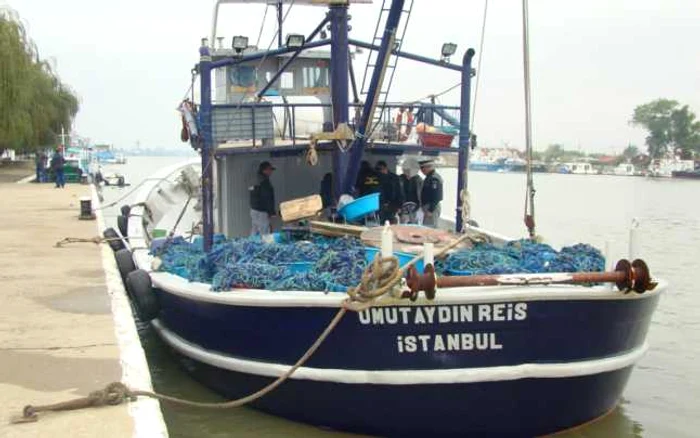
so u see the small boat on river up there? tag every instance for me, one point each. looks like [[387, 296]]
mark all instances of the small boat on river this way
[[499, 337]]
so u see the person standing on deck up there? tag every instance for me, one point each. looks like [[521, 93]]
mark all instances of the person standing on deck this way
[[367, 180], [327, 196], [431, 194], [391, 193], [57, 165], [412, 184], [262, 200]]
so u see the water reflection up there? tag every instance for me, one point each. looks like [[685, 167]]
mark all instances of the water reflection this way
[[616, 424]]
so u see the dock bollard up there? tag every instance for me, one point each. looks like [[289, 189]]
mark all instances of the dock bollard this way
[[86, 212]]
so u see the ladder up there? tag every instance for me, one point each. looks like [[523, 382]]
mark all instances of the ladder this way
[[383, 94]]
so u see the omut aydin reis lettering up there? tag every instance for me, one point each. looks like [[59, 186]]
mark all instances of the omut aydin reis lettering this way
[[468, 313]]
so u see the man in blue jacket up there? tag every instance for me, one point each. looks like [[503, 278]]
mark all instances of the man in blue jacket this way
[[262, 200], [57, 165]]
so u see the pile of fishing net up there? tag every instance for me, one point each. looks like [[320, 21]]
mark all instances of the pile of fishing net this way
[[315, 263], [521, 256]]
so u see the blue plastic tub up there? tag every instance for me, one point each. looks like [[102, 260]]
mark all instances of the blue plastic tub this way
[[403, 257], [360, 207]]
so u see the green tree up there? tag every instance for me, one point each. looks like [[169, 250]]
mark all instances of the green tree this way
[[35, 103], [553, 152], [630, 152], [685, 132], [669, 127]]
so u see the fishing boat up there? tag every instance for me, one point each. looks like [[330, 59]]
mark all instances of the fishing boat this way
[[443, 351]]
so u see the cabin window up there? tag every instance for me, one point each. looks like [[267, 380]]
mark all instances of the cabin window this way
[[242, 76], [287, 80], [315, 77]]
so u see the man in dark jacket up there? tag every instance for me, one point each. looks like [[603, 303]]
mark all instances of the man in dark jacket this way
[[262, 200], [57, 165], [391, 194], [412, 185], [431, 195], [367, 180]]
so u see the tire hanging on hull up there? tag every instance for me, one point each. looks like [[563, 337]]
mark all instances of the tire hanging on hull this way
[[140, 290]]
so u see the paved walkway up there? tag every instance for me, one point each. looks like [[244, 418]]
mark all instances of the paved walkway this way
[[57, 331]]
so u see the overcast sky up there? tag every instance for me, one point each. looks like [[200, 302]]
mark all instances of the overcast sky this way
[[592, 61]]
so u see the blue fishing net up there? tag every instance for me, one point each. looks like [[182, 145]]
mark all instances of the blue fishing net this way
[[521, 256], [316, 263], [326, 264]]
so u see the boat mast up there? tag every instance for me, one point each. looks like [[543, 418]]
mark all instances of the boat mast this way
[[280, 21], [383, 56], [205, 66], [340, 72], [464, 134], [530, 190]]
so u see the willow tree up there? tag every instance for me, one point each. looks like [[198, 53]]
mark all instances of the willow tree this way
[[34, 103]]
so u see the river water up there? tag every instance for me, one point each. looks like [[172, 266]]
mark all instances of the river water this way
[[661, 397]]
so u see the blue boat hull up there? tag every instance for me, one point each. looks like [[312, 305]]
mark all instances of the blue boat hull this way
[[518, 408], [537, 331], [511, 368]]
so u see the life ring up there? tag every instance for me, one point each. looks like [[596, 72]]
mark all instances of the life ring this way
[[140, 289], [123, 225], [113, 239], [125, 263]]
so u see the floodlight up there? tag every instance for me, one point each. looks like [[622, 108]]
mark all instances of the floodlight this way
[[239, 43], [295, 40], [448, 49]]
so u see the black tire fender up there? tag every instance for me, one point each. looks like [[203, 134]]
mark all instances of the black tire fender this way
[[123, 225], [113, 239], [125, 263], [140, 289]]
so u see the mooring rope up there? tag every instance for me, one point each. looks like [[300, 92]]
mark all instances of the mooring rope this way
[[96, 240], [379, 279]]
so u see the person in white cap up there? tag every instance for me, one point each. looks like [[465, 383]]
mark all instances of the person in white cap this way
[[431, 194]]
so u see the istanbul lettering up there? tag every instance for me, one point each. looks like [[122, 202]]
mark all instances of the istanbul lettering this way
[[428, 315]]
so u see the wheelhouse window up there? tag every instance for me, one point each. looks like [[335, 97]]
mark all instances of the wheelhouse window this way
[[315, 76], [242, 76]]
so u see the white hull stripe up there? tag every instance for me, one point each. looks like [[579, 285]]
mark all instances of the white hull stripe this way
[[403, 377]]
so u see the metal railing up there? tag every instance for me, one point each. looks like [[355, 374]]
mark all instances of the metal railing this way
[[290, 125]]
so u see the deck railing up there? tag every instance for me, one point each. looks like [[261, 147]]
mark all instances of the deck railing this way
[[264, 122]]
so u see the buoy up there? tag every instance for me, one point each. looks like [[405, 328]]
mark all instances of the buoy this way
[[113, 239], [140, 289], [123, 225], [125, 263]]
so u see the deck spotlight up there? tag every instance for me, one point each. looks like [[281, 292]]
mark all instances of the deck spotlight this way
[[295, 40], [448, 49], [239, 43]]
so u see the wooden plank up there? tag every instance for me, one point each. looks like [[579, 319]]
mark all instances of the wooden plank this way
[[301, 208]]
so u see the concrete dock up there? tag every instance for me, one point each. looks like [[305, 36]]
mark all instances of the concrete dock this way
[[65, 327]]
